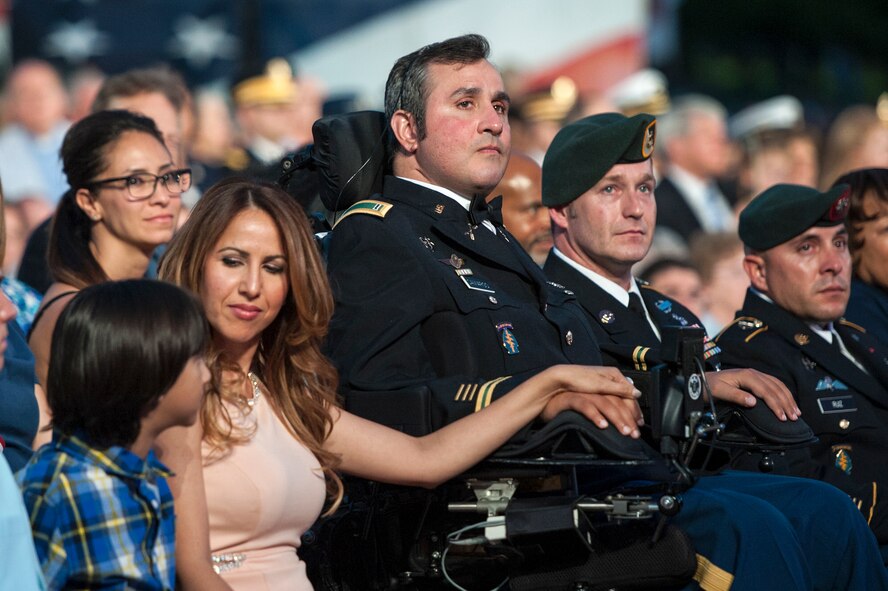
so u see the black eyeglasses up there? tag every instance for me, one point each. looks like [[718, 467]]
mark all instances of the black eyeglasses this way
[[143, 185]]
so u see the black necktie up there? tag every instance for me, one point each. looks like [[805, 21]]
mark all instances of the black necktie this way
[[636, 305], [836, 347]]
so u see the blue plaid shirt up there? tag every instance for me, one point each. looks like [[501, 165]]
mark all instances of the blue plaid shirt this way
[[100, 518]]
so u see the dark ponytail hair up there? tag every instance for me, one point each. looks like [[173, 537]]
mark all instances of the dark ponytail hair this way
[[84, 156]]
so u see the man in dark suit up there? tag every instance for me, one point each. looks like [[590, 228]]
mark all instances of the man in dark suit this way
[[791, 326], [690, 198], [598, 183]]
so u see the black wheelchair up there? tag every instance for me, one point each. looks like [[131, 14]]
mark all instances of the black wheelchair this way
[[563, 505]]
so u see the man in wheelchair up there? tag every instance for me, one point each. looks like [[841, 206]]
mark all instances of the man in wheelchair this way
[[439, 312]]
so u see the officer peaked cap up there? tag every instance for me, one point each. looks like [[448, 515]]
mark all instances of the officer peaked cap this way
[[784, 211], [583, 152]]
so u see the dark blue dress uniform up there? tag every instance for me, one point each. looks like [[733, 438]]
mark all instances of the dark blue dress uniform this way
[[737, 521], [426, 297], [846, 407], [625, 337]]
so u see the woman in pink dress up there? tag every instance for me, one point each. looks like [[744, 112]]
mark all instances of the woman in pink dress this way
[[253, 475]]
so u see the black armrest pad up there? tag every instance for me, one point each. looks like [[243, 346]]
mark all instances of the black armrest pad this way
[[571, 434], [760, 422]]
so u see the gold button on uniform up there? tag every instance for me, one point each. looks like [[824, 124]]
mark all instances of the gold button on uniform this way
[[844, 424]]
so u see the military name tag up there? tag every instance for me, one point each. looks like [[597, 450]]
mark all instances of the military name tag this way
[[477, 284], [837, 404]]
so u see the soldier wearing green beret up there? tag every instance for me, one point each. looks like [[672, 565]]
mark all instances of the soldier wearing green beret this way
[[791, 326], [599, 184]]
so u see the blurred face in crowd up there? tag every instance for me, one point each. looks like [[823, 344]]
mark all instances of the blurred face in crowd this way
[[808, 276], [871, 259], [156, 106], [37, 98], [245, 282], [804, 161], [681, 284], [726, 289], [523, 212], [610, 227], [272, 122], [704, 151], [767, 167], [467, 141], [144, 223], [873, 151], [214, 129]]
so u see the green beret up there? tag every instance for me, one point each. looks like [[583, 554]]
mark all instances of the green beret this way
[[583, 152], [782, 212]]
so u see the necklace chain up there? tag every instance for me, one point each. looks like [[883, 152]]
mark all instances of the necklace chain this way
[[257, 391]]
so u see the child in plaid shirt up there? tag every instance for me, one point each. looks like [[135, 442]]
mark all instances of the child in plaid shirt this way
[[126, 364]]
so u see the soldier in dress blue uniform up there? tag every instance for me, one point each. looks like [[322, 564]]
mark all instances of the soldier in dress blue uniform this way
[[791, 326], [431, 290], [598, 183]]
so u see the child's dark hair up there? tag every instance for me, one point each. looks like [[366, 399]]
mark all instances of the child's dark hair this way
[[116, 349]]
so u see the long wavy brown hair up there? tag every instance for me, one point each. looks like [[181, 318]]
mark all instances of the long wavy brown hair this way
[[300, 380]]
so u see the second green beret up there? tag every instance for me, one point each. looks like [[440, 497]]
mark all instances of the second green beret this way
[[583, 152], [782, 212]]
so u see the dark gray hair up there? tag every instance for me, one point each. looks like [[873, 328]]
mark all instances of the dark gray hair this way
[[406, 85]]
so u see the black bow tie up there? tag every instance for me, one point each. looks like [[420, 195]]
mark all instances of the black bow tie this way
[[481, 210]]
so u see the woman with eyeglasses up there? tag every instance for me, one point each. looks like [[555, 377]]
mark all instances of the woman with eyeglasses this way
[[123, 202]]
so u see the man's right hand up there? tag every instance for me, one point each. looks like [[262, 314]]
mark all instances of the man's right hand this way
[[602, 394]]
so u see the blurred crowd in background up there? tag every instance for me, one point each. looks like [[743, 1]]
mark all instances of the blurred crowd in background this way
[[709, 161]]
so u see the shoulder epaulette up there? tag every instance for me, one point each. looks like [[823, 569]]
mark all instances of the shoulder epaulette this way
[[852, 325], [368, 207], [745, 323]]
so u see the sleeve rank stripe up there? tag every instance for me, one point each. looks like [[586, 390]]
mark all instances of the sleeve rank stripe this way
[[459, 392], [486, 394], [873, 505], [470, 392], [750, 337], [367, 206], [711, 577], [638, 355]]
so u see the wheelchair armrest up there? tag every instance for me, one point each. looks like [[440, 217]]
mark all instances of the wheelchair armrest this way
[[758, 426], [570, 434], [408, 410]]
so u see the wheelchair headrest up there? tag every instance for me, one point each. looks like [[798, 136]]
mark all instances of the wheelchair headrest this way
[[347, 161]]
